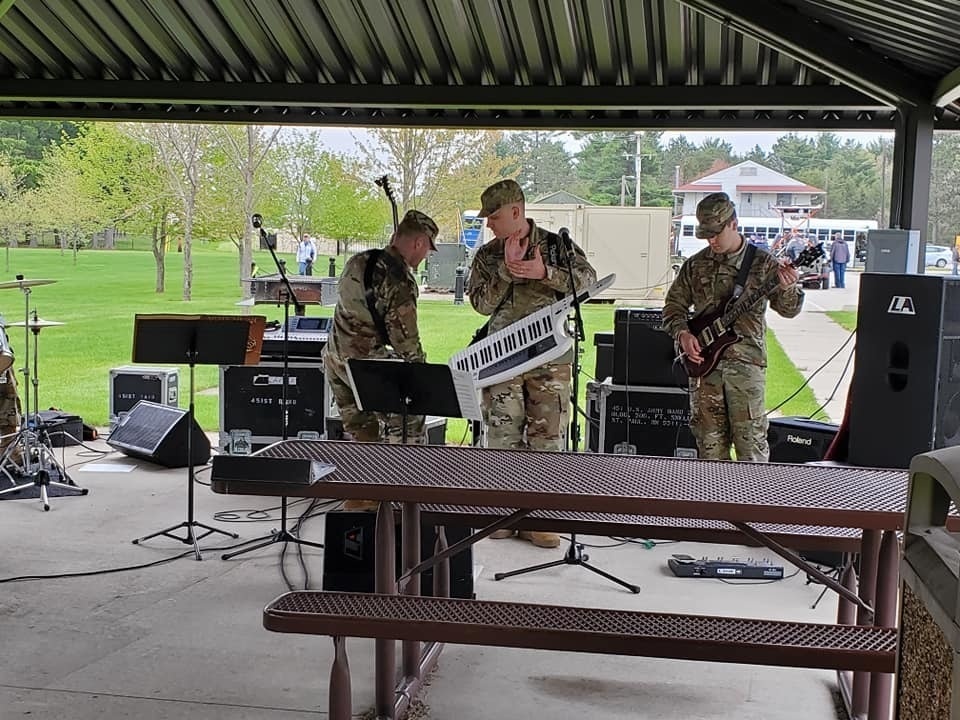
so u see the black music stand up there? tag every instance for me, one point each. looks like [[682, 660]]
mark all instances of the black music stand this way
[[407, 388], [196, 340]]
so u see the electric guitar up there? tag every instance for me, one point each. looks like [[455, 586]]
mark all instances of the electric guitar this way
[[384, 182], [714, 328]]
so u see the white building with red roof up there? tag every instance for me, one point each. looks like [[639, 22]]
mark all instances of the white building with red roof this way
[[756, 190]]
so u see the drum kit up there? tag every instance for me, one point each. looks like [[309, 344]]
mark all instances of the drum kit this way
[[28, 458]]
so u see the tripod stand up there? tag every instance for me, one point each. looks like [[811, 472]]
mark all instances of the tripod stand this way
[[198, 339], [37, 460], [288, 296], [574, 554]]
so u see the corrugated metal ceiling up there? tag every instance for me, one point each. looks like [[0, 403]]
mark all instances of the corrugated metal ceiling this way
[[482, 63]]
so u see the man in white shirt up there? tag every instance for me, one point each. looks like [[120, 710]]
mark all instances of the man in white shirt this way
[[306, 255]]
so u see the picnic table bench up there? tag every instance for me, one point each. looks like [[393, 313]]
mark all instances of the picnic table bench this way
[[520, 486]]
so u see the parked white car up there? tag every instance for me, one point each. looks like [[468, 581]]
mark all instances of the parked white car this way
[[938, 256]]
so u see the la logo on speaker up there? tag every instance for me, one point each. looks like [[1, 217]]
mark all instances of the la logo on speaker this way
[[901, 305]]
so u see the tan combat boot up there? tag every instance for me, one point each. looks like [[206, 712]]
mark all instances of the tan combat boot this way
[[541, 539], [501, 534]]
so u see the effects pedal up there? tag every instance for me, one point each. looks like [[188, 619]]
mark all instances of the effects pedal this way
[[687, 566]]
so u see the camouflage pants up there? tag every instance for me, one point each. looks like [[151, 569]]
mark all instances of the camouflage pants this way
[[10, 410], [727, 409], [530, 411], [368, 426]]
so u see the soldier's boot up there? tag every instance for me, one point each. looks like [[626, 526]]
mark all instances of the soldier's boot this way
[[501, 534], [361, 505], [541, 539]]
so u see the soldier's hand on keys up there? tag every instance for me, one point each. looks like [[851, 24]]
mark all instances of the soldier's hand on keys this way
[[788, 275], [515, 247], [532, 269], [690, 346]]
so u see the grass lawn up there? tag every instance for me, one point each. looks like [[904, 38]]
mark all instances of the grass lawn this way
[[844, 318], [98, 296]]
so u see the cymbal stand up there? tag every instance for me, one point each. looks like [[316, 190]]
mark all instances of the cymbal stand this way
[[37, 457]]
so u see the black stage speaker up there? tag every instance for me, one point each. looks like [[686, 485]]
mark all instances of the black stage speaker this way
[[798, 440], [603, 367], [906, 382], [642, 352], [158, 433], [348, 554]]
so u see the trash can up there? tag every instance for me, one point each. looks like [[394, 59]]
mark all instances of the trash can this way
[[928, 676]]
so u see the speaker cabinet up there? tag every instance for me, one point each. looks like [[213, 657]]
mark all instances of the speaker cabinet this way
[[906, 383], [603, 366], [158, 433], [894, 251], [798, 440], [642, 352], [348, 554]]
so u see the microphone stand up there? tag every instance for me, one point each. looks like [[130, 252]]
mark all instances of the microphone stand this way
[[285, 295], [574, 554]]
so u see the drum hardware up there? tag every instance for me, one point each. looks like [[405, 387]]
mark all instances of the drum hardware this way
[[30, 455]]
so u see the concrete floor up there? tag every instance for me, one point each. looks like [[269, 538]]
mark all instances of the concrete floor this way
[[184, 639]]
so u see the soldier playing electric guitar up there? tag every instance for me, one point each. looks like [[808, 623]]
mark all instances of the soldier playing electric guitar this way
[[728, 285]]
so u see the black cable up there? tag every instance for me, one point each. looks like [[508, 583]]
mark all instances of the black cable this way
[[91, 573], [812, 375], [843, 373]]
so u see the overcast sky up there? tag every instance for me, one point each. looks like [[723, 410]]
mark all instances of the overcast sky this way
[[343, 140]]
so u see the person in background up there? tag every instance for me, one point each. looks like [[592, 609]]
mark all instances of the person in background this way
[[512, 276], [956, 259], [839, 256], [306, 253]]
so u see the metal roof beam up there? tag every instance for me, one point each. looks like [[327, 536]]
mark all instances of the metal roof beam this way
[[821, 47], [785, 97], [948, 89]]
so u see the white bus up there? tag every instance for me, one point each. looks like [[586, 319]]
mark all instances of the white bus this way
[[770, 228]]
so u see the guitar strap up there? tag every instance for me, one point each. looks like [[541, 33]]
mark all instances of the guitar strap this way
[[373, 256], [741, 281]]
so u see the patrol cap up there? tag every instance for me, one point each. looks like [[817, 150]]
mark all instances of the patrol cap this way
[[503, 192], [417, 222], [713, 213]]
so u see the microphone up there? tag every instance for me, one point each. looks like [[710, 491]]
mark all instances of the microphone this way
[[567, 241], [257, 221]]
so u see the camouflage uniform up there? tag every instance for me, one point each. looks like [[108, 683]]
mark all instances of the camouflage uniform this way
[[727, 405], [530, 410], [355, 334], [10, 410]]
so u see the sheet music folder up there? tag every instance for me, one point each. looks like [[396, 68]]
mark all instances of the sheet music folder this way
[[387, 385], [255, 468], [200, 339]]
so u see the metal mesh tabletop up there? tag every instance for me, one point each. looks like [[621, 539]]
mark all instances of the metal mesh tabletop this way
[[581, 629], [619, 484]]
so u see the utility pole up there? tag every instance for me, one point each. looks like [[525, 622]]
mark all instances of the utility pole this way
[[623, 190], [636, 195]]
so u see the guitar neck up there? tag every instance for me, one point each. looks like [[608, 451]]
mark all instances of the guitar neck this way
[[750, 299]]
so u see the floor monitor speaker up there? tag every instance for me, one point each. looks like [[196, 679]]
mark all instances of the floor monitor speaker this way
[[799, 440], [348, 554], [158, 433]]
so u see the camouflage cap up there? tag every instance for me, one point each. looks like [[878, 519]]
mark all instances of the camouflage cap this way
[[713, 213], [499, 194], [415, 221]]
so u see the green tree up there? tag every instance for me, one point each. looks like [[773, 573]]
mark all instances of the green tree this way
[[24, 143], [944, 199], [538, 160], [605, 161]]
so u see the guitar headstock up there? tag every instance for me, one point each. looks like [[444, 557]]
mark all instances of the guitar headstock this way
[[384, 182], [809, 255]]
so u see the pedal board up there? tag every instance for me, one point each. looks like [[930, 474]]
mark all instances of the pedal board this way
[[687, 566]]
